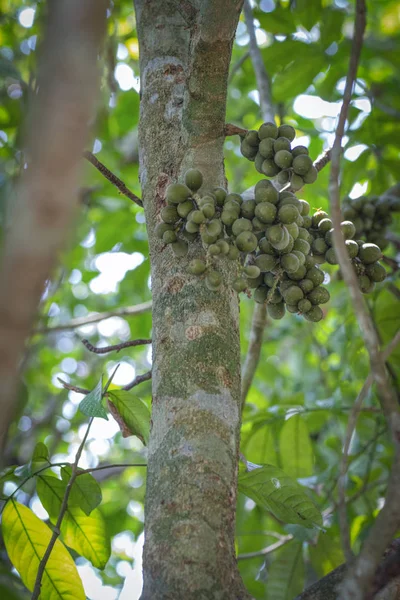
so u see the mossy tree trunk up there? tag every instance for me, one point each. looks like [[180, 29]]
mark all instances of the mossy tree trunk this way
[[185, 51]]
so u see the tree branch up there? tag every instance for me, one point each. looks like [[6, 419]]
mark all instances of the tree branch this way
[[116, 181], [128, 311], [237, 66], [265, 551], [323, 160], [138, 379], [254, 350], [46, 197], [359, 579], [231, 129], [116, 347]]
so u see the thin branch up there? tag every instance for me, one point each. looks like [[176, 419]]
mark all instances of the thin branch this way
[[265, 551], [351, 425], [139, 379], [116, 347], [237, 66], [128, 311], [116, 181], [323, 160], [359, 579], [254, 350], [231, 129], [102, 468], [63, 510], [73, 388]]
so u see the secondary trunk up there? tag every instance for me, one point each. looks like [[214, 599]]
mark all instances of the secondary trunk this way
[[185, 51]]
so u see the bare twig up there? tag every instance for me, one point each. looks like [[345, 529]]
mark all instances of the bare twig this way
[[46, 199], [73, 388], [254, 350], [103, 467], [237, 66], [262, 78], [63, 510], [359, 578], [351, 425], [128, 311], [231, 129], [265, 551], [116, 347], [139, 379], [323, 160], [116, 181]]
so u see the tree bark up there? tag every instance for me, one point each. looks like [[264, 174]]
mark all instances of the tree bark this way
[[185, 51]]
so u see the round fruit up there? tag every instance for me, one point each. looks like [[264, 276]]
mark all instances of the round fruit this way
[[304, 305], [162, 228], [208, 210], [348, 229], [276, 311], [299, 274], [281, 143], [306, 285], [319, 295], [236, 197], [287, 131], [283, 158], [213, 281], [290, 263], [293, 294], [269, 168], [318, 216], [315, 275], [376, 272], [284, 177], [265, 262], [296, 182], [177, 192], [214, 250], [266, 148], [311, 175], [302, 164], [228, 216], [214, 227], [330, 257], [252, 138], [319, 246], [194, 179], [239, 285], [241, 225], [293, 230], [197, 266], [266, 212], [304, 208], [369, 253], [261, 293], [252, 271], [220, 195], [265, 246], [266, 194], [288, 214], [169, 214], [365, 283], [292, 308], [299, 150], [352, 248], [247, 209], [191, 227], [169, 237], [325, 225], [314, 315], [184, 208], [246, 241], [196, 216], [268, 130], [302, 246], [180, 248], [248, 151], [223, 246], [233, 253]]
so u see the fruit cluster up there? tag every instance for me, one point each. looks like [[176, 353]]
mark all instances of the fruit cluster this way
[[270, 150], [371, 216]]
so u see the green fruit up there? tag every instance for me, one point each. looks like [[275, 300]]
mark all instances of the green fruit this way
[[197, 266], [265, 246], [304, 235], [239, 285], [274, 297], [318, 216], [315, 275], [252, 271], [368, 210], [220, 195], [233, 253], [214, 250], [266, 194], [180, 248], [285, 241], [258, 161], [352, 248], [283, 158], [265, 262], [169, 214], [329, 237], [265, 212], [319, 259], [191, 227], [189, 237], [348, 229], [184, 209], [241, 225], [213, 281], [319, 295], [269, 168], [197, 217], [194, 179], [330, 257], [169, 237], [266, 148], [276, 311], [288, 214], [293, 230], [276, 234], [304, 305], [269, 279], [228, 216], [306, 285], [258, 226], [319, 246], [207, 238], [348, 213], [252, 138], [214, 227], [247, 209], [207, 199], [246, 241], [236, 197], [286, 248], [232, 205], [300, 256], [290, 263], [311, 175], [299, 274], [292, 308], [223, 246], [306, 222], [282, 143], [325, 225], [369, 253], [302, 246], [287, 131], [314, 315], [162, 228], [283, 177], [261, 293], [177, 192], [208, 211], [268, 129], [297, 150], [310, 261], [376, 272], [296, 182], [302, 164], [304, 208], [255, 283], [248, 151], [365, 283], [293, 294]]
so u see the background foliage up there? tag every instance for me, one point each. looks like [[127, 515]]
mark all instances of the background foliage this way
[[308, 376]]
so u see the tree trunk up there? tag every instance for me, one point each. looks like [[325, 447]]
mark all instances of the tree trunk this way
[[185, 51]]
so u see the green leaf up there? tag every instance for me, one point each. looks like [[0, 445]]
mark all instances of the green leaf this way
[[280, 20], [40, 453], [331, 26], [286, 574], [308, 13], [298, 76], [131, 413], [91, 405], [26, 539], [7, 475], [85, 492], [86, 535], [327, 554], [295, 448], [260, 446], [281, 495]]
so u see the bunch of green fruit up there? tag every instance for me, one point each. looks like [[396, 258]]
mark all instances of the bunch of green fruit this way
[[271, 151], [372, 216]]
